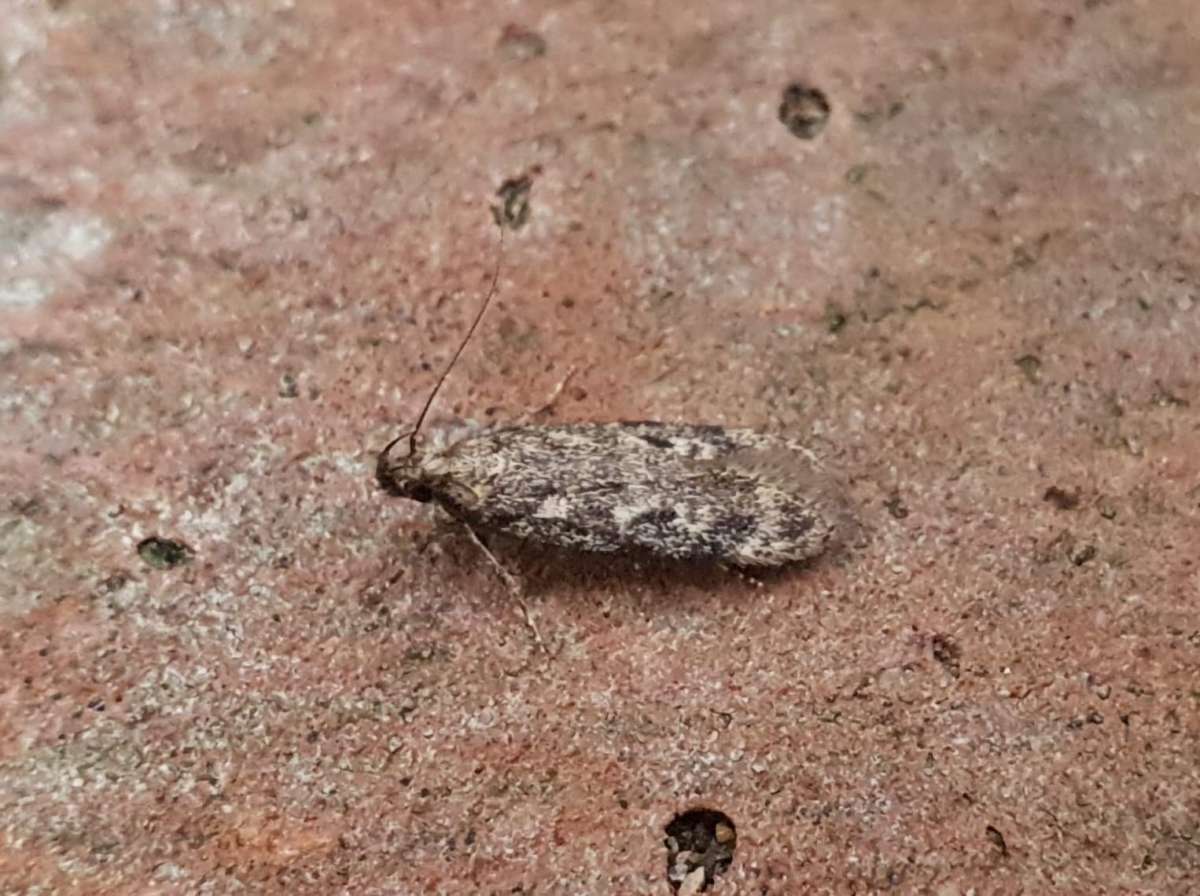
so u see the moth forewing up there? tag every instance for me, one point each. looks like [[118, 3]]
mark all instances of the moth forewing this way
[[675, 490]]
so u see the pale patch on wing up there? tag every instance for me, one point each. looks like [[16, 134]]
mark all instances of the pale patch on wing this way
[[554, 507]]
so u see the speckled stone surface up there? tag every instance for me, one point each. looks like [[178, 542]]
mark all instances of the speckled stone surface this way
[[237, 242]]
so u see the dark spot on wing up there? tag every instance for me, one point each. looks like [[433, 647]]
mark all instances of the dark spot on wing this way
[[719, 539], [538, 489], [655, 441], [604, 488], [654, 518], [796, 526], [733, 526], [657, 529]]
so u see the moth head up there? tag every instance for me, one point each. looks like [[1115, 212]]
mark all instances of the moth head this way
[[404, 475]]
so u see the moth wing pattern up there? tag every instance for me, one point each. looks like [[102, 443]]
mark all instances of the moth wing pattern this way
[[689, 492]]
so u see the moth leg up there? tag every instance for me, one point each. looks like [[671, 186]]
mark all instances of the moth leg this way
[[550, 400], [513, 585]]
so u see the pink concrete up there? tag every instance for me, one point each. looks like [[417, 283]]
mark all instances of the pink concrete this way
[[237, 240]]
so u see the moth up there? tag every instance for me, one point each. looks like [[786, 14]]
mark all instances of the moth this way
[[682, 491]]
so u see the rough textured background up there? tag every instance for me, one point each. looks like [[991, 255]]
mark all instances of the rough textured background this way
[[238, 239]]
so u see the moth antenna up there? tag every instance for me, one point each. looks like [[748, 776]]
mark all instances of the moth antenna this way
[[487, 300]]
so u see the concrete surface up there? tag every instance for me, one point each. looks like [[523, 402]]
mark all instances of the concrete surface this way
[[238, 240]]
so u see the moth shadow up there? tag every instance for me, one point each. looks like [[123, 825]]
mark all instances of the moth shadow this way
[[542, 570]]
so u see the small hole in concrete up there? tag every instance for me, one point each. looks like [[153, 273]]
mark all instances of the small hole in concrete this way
[[513, 209], [700, 845], [163, 553], [518, 43], [803, 110]]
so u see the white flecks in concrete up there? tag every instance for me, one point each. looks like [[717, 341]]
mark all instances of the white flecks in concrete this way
[[39, 253], [22, 292], [82, 237], [21, 36]]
